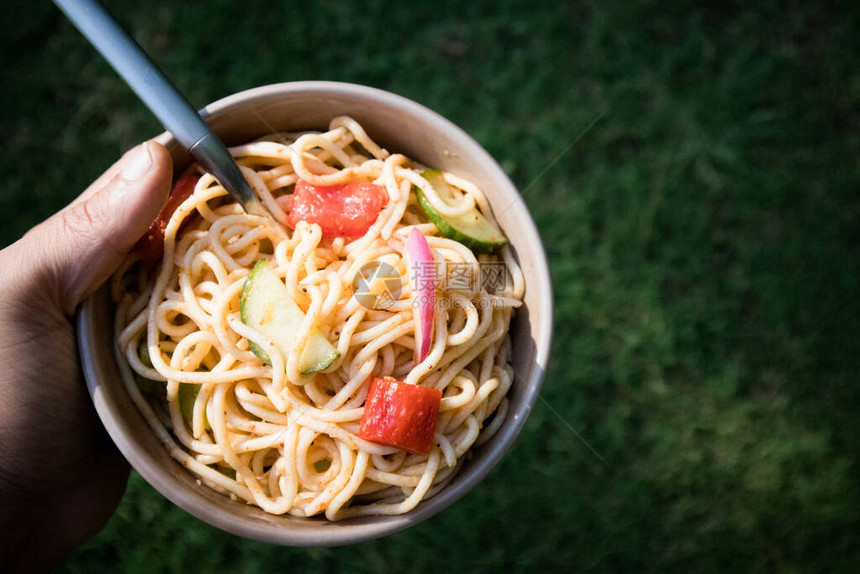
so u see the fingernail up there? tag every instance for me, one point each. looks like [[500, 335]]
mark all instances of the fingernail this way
[[138, 164]]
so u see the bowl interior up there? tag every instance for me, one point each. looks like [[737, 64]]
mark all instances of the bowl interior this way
[[400, 126]]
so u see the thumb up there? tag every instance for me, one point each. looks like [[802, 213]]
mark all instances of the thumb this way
[[81, 246]]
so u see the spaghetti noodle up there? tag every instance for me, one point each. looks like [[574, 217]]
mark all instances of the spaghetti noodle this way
[[263, 431]]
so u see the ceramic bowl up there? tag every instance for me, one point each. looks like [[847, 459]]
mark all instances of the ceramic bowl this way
[[399, 125]]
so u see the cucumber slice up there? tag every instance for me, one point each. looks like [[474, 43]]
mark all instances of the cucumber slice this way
[[471, 229], [187, 397], [266, 306], [147, 387], [143, 354]]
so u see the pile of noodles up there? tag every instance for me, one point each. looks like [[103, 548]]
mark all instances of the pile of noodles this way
[[267, 434]]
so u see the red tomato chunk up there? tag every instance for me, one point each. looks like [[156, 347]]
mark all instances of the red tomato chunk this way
[[400, 415], [151, 245], [346, 210]]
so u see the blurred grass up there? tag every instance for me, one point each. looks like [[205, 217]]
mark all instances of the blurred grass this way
[[703, 237]]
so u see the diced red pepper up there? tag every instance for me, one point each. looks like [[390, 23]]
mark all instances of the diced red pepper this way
[[346, 210], [400, 415], [151, 245]]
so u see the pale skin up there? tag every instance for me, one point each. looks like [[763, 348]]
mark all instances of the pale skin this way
[[61, 477]]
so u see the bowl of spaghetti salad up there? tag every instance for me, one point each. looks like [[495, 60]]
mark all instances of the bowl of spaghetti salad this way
[[350, 365]]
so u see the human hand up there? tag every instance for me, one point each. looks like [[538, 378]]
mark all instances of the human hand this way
[[60, 475]]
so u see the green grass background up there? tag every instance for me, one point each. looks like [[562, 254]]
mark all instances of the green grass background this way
[[703, 237]]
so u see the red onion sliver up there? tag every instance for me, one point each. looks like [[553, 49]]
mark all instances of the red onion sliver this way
[[423, 271]]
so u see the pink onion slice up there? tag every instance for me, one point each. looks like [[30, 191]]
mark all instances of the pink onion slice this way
[[423, 273]]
